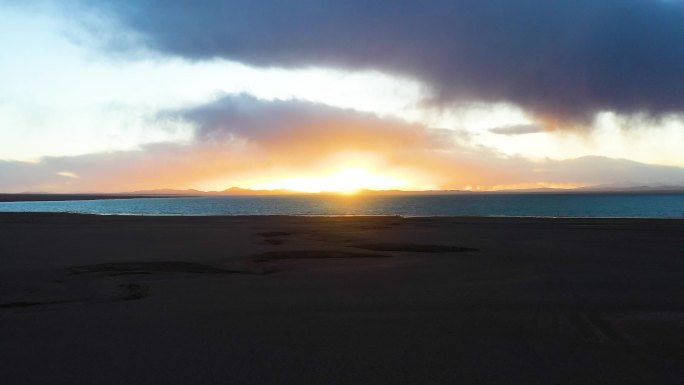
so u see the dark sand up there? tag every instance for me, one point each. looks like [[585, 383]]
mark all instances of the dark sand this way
[[384, 300]]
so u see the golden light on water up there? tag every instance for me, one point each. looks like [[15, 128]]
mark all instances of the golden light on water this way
[[346, 181]]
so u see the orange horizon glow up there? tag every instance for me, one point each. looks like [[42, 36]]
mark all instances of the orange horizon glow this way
[[346, 181]]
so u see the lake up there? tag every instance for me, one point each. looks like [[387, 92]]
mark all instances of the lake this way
[[609, 205]]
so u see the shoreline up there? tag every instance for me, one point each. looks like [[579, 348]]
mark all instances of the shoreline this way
[[474, 217]]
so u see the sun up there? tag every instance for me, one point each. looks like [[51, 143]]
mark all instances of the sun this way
[[346, 181]]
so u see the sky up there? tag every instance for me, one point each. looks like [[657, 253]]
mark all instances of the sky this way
[[340, 95]]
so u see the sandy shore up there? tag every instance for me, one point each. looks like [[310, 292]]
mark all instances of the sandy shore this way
[[374, 300]]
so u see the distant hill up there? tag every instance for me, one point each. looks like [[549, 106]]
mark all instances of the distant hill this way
[[237, 191], [167, 192], [625, 187], [193, 192], [591, 189]]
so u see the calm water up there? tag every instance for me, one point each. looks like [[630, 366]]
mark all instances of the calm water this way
[[534, 205]]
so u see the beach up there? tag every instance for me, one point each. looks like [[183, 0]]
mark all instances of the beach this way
[[88, 299]]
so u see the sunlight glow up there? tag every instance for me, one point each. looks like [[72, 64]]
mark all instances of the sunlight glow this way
[[347, 181]]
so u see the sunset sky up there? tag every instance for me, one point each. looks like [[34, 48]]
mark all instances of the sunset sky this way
[[322, 95]]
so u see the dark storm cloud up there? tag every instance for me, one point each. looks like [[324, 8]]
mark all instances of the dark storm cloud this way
[[562, 60]]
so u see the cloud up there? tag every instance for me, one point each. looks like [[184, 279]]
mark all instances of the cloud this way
[[296, 125], [596, 170], [67, 174], [518, 129], [237, 138], [241, 140], [562, 60]]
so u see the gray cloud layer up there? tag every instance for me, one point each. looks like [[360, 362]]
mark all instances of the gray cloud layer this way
[[298, 124], [562, 59]]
